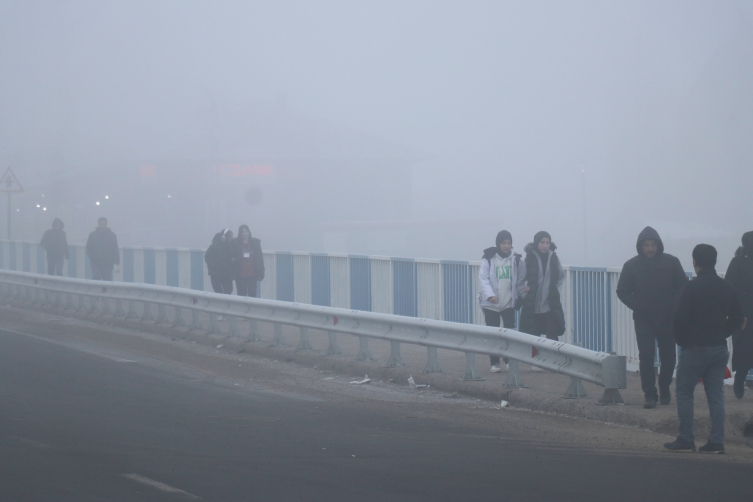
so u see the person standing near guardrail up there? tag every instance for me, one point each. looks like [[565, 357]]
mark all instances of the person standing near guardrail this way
[[650, 285], [707, 314], [248, 262], [219, 263], [542, 312], [740, 275], [56, 246], [502, 284], [102, 250]]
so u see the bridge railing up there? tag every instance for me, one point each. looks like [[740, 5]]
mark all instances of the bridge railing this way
[[119, 300], [430, 289]]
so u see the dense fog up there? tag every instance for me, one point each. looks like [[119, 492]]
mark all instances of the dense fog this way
[[401, 128]]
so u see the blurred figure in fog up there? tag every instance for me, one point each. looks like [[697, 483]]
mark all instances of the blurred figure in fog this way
[[219, 263], [502, 286], [650, 286], [102, 250], [56, 245], [740, 275], [542, 312], [248, 262]]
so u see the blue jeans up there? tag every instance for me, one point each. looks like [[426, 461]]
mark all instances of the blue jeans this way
[[695, 363]]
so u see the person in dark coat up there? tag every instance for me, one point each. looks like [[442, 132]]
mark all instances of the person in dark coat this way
[[248, 262], [740, 275], [708, 312], [219, 264], [542, 312], [650, 285], [103, 252], [56, 245]]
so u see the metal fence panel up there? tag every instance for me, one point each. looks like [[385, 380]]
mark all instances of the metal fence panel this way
[[457, 285], [360, 282], [404, 287], [284, 276], [339, 280], [302, 277], [320, 280], [429, 291], [381, 285]]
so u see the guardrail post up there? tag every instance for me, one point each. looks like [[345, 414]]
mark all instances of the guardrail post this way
[[161, 314], [232, 326], [132, 310], [395, 358], [614, 376], [303, 342], [278, 340], [576, 389], [332, 347], [364, 353], [471, 373], [514, 377], [105, 306], [69, 303], [611, 396], [253, 330], [147, 314], [195, 320], [432, 363], [119, 312], [213, 326], [178, 321]]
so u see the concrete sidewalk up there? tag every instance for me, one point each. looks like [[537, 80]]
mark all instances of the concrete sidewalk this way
[[543, 392]]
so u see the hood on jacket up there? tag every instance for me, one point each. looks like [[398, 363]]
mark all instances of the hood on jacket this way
[[531, 247], [58, 220], [747, 248], [649, 233], [490, 252], [218, 237]]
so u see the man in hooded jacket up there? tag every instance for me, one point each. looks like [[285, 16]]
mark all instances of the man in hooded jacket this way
[[56, 245], [650, 286], [740, 275], [102, 250], [219, 264]]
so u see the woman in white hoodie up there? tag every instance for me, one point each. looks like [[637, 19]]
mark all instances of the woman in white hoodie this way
[[502, 282]]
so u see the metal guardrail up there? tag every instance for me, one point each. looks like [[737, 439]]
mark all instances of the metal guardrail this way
[[109, 298]]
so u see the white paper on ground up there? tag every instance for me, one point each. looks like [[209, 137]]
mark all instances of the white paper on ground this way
[[366, 379]]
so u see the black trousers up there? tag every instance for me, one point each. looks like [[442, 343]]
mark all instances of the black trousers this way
[[54, 266], [222, 285], [650, 335], [102, 272], [493, 318], [246, 286]]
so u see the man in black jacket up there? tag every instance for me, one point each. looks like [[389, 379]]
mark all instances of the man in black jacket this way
[[102, 250], [649, 285], [56, 245], [709, 311]]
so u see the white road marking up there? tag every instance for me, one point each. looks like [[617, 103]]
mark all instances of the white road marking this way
[[69, 346], [159, 486]]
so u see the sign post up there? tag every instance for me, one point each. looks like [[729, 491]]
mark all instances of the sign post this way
[[10, 184]]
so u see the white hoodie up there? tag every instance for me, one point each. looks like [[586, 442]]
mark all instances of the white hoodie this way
[[489, 284]]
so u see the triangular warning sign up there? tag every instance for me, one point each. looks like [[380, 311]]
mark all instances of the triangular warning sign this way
[[9, 182]]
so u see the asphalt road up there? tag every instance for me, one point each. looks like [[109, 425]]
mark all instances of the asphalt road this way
[[86, 422]]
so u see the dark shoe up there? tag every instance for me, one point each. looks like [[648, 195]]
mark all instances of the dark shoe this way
[[712, 448], [680, 447], [739, 385], [665, 397], [649, 403]]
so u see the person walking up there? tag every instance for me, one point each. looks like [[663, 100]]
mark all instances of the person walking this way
[[542, 312], [248, 262], [649, 285], [102, 250], [708, 312], [56, 246], [219, 263], [740, 275], [502, 283]]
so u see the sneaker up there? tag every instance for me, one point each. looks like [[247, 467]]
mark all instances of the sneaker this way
[[739, 385], [649, 403], [665, 397], [712, 448], [495, 369], [680, 447]]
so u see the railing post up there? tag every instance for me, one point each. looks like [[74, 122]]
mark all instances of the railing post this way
[[147, 314], [575, 390], [332, 347], [395, 359], [132, 310], [161, 314], [303, 342], [364, 353], [432, 363], [514, 377], [119, 312], [471, 373], [278, 340], [195, 320], [178, 322], [253, 330], [232, 326], [213, 326]]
